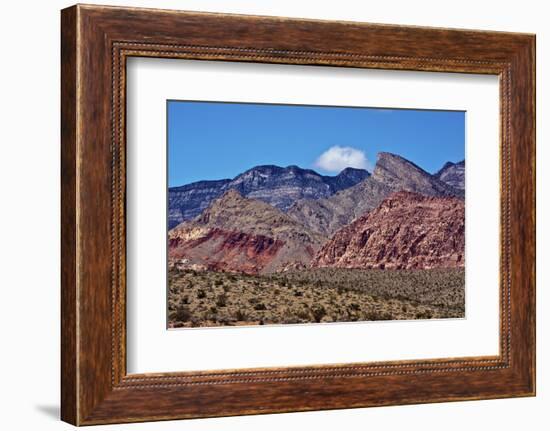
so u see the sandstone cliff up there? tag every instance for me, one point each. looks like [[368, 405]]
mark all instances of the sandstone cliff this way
[[406, 231]]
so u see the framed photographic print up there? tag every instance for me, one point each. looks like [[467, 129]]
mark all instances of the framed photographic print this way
[[265, 214]]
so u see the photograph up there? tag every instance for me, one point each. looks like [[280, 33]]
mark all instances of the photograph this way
[[301, 214]]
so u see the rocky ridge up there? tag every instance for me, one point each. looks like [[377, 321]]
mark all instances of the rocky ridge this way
[[453, 174], [243, 235], [391, 174], [277, 186], [407, 231]]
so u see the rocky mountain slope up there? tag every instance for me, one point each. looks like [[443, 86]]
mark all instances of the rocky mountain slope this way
[[406, 231], [240, 234], [391, 174], [186, 202], [453, 174], [277, 186]]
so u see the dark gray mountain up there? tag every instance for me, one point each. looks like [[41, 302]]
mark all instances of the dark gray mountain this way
[[391, 174], [188, 201], [453, 174], [277, 186]]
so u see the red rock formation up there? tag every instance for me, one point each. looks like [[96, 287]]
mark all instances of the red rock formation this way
[[241, 235], [407, 230], [227, 251]]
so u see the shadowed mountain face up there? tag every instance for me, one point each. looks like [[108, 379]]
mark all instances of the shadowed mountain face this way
[[453, 174], [188, 201], [279, 187], [243, 235], [407, 231], [391, 174]]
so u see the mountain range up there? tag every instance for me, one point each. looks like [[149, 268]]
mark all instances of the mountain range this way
[[270, 219], [277, 186], [392, 173]]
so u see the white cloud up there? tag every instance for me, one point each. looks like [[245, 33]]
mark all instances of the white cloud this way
[[337, 158]]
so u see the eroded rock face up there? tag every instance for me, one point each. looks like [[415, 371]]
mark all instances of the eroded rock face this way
[[242, 235], [453, 174], [186, 202], [391, 174], [399, 173], [277, 186], [407, 231], [221, 250]]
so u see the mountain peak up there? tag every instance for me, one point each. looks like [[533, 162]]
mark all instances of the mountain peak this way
[[445, 166], [230, 195], [393, 161], [453, 174], [387, 155], [349, 170], [400, 173], [350, 176], [391, 168]]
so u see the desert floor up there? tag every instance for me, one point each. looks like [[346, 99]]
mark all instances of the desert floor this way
[[200, 299]]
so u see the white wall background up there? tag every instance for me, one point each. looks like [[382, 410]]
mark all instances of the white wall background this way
[[29, 216]]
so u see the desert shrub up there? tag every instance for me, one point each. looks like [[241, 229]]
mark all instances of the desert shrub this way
[[221, 300], [241, 316], [182, 314], [201, 294], [260, 307], [426, 314], [372, 315], [385, 316], [318, 312], [354, 306], [302, 314], [298, 293]]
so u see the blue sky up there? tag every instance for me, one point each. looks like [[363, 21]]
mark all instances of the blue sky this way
[[209, 141]]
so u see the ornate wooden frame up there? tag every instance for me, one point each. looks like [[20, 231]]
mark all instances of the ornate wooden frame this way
[[95, 42]]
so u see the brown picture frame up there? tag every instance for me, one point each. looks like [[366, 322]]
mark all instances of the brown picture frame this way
[[95, 43]]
